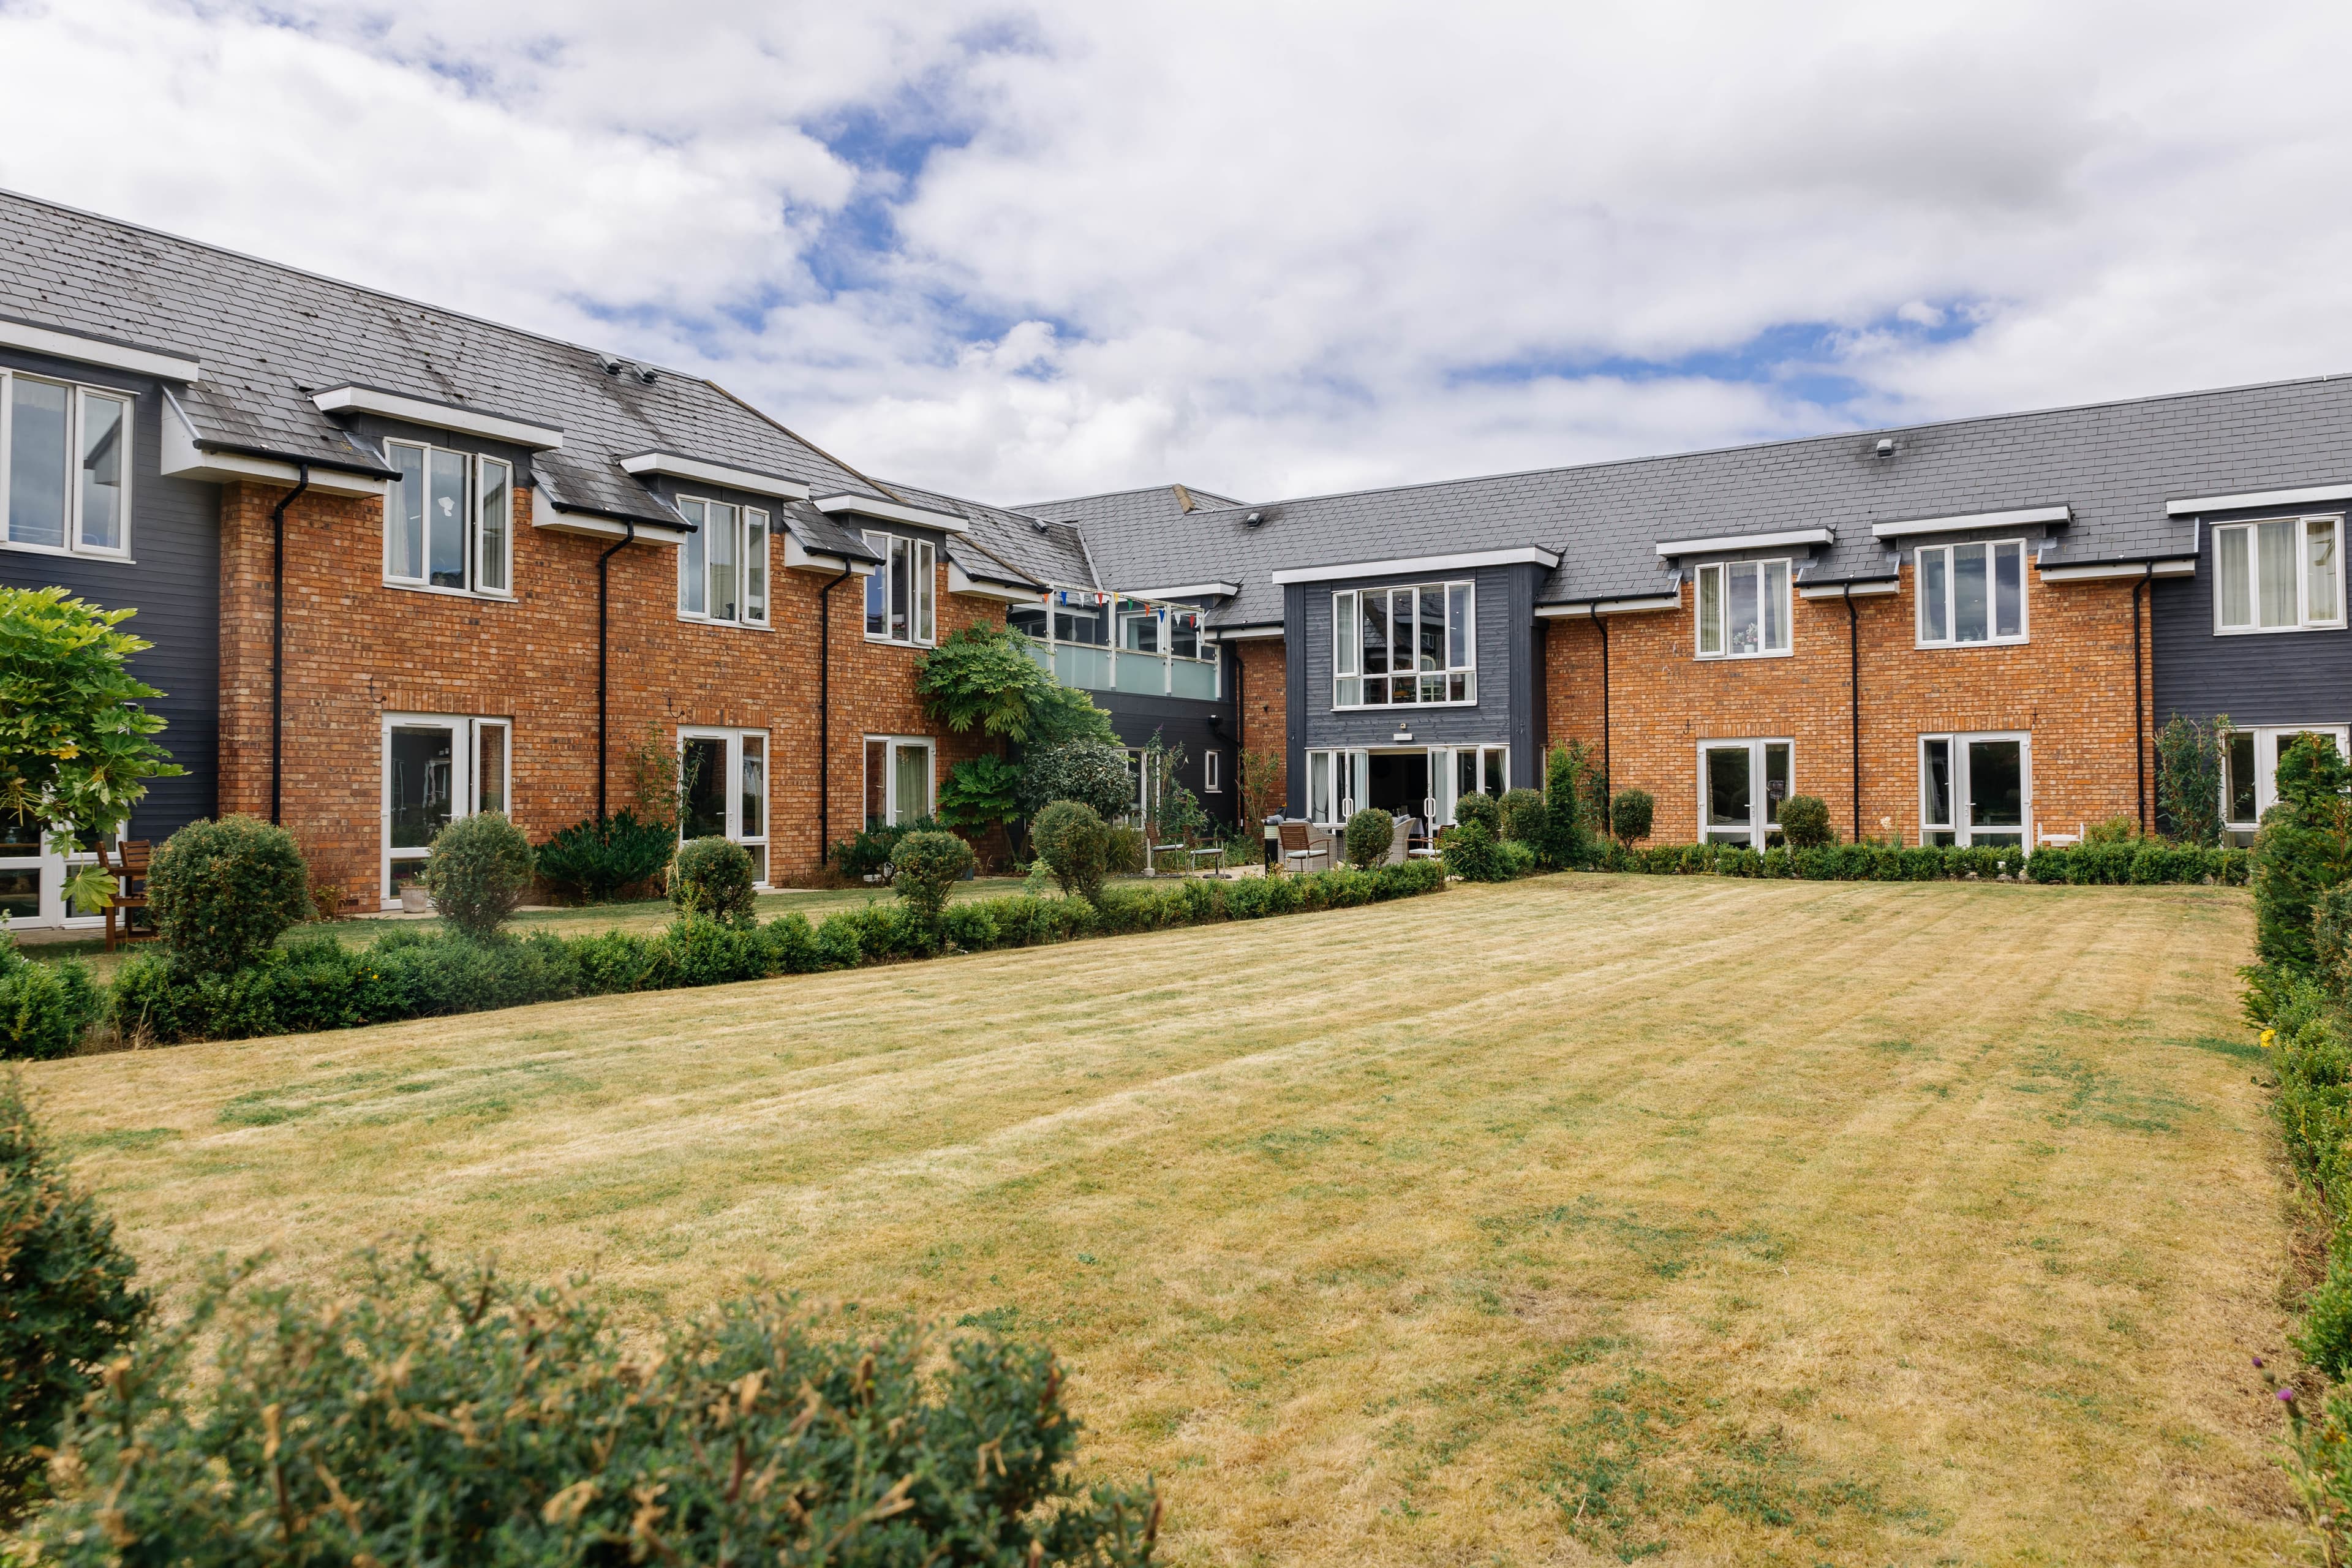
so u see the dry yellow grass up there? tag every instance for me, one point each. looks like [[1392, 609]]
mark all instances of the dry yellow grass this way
[[1554, 1223]]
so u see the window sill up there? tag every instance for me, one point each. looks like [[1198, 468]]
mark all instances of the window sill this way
[[1964, 646], [693, 620], [450, 593], [120, 556], [1743, 657], [2277, 631], [1402, 707], [895, 642]]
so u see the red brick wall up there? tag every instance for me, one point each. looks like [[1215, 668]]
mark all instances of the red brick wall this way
[[2070, 687], [356, 649], [1264, 712]]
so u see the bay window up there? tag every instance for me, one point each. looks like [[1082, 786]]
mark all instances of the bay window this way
[[2280, 575], [723, 785], [65, 467], [1974, 789], [898, 778], [900, 596], [1416, 644], [448, 521], [1741, 785], [722, 568], [1743, 609], [1972, 593]]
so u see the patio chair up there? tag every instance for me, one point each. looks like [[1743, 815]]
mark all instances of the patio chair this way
[[1400, 841], [1300, 848], [129, 869]]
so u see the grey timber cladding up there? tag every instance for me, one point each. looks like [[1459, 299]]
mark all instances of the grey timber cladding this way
[[172, 580], [2269, 677]]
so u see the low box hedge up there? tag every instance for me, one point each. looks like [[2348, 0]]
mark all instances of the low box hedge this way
[[2142, 861]]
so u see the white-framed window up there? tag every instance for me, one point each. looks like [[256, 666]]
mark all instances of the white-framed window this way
[[2249, 760], [899, 779], [437, 767], [65, 467], [722, 786], [448, 521], [1976, 789], [1213, 772], [2278, 574], [1338, 783], [1972, 593], [722, 568], [1741, 785], [1415, 644], [901, 594], [1743, 609]]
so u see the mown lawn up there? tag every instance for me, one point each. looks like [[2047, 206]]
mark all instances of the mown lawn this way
[[1578, 1220]]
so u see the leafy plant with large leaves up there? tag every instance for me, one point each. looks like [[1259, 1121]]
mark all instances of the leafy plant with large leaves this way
[[75, 747], [981, 793], [983, 677]]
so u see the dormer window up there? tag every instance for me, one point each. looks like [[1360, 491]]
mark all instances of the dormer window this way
[[1743, 609], [722, 569], [1972, 593], [64, 468], [901, 594], [448, 521]]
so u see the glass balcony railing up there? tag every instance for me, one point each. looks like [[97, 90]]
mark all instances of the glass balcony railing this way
[[1166, 653]]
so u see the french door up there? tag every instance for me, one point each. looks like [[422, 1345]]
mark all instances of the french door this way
[[1458, 771], [1741, 785], [437, 767], [1976, 789], [2250, 768], [723, 789]]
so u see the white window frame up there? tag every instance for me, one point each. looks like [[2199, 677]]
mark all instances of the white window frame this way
[[1762, 826], [465, 790], [1346, 779], [735, 744], [1444, 797], [1951, 606], [2267, 740], [1721, 572], [79, 395], [477, 467], [2304, 621], [1967, 832], [1213, 772], [1349, 684], [923, 575], [893, 810], [751, 555]]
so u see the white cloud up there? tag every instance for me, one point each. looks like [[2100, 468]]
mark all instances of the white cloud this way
[[1269, 249]]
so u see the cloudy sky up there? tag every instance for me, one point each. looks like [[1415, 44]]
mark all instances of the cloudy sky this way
[[1041, 249]]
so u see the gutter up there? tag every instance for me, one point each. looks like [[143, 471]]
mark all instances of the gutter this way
[[1854, 697], [824, 714], [277, 645]]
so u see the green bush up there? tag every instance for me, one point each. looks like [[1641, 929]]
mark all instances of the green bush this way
[[1631, 814], [1483, 809], [2324, 1337], [596, 859], [2304, 848], [1575, 797], [1525, 818], [2111, 830], [45, 1008], [67, 1302], [929, 866], [453, 1417], [869, 854], [1471, 851], [1369, 835], [1071, 839], [1516, 859], [1093, 772], [1805, 822], [223, 892], [711, 878], [2188, 776], [1124, 849], [480, 872]]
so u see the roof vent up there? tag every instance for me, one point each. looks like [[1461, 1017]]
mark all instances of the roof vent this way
[[1040, 524], [645, 374], [1254, 518], [612, 364], [1886, 448]]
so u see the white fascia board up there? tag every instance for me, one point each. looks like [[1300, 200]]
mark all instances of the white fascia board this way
[[182, 459], [962, 581], [162, 363], [2303, 497], [893, 511], [1642, 605], [1241, 634], [1189, 590], [1715, 543], [596, 525], [1844, 590], [1525, 555], [2129, 569], [2017, 517], [797, 558], [438, 415], [676, 466]]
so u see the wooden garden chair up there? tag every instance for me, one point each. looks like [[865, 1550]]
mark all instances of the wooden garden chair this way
[[129, 869], [1300, 847]]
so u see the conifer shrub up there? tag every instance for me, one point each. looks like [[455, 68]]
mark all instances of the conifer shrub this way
[[223, 892], [2304, 848], [596, 859], [45, 1008], [1805, 822], [66, 1301], [1368, 837], [711, 879], [1631, 814], [1525, 818], [930, 865], [479, 873], [1073, 842], [434, 1416]]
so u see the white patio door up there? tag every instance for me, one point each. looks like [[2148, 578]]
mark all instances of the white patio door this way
[[436, 768], [33, 880]]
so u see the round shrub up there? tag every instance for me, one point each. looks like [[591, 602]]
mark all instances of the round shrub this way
[[1472, 852], [1805, 822], [480, 872], [1482, 809], [45, 1008], [1631, 814], [928, 866], [1369, 833], [1525, 818], [1071, 839], [1092, 772], [711, 877], [223, 892]]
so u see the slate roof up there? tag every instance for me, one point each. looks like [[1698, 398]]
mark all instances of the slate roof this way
[[2114, 464], [268, 335], [1007, 546], [1119, 510]]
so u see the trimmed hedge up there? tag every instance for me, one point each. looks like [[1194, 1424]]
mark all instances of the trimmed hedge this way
[[2142, 862], [316, 982], [45, 1008]]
